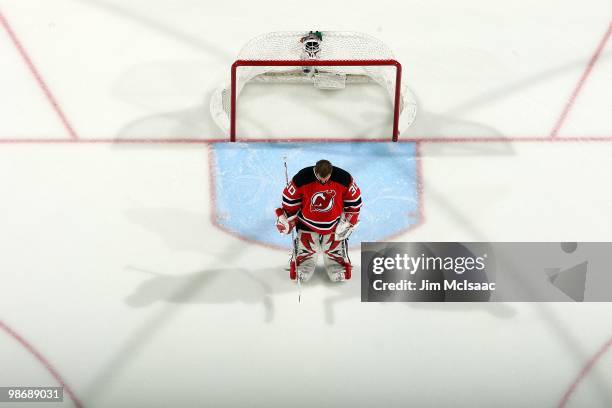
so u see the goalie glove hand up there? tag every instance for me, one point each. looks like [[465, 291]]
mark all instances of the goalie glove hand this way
[[284, 225], [345, 226]]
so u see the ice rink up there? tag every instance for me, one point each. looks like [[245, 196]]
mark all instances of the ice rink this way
[[139, 267]]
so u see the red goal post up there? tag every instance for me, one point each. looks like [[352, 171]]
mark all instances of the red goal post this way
[[317, 63]]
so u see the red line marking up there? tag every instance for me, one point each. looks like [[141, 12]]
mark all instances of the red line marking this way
[[107, 141], [589, 68], [43, 361], [35, 72], [584, 372], [510, 139], [425, 139]]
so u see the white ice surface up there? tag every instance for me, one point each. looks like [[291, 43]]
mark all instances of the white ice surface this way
[[111, 268]]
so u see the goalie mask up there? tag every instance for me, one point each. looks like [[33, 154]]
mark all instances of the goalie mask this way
[[311, 45]]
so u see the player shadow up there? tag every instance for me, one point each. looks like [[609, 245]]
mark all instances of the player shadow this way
[[211, 286], [171, 31], [236, 286], [182, 124], [193, 123], [228, 286], [178, 229]]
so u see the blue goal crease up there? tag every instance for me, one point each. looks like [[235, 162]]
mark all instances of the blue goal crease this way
[[249, 179]]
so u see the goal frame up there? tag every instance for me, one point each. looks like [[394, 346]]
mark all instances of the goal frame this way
[[316, 63]]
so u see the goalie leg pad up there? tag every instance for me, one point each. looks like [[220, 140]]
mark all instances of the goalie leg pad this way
[[337, 263], [306, 259]]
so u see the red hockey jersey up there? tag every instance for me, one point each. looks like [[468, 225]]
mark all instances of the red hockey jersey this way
[[319, 206]]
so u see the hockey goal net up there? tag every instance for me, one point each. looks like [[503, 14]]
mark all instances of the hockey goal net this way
[[327, 60]]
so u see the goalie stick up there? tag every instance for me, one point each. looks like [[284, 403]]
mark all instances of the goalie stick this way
[[298, 276]]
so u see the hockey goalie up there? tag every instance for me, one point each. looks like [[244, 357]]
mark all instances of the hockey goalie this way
[[322, 203]]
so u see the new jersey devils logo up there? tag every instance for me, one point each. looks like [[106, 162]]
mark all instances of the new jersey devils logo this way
[[322, 201]]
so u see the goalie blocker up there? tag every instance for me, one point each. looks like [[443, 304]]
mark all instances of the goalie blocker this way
[[323, 204]]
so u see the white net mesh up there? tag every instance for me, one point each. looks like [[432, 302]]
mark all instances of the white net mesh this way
[[335, 45]]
